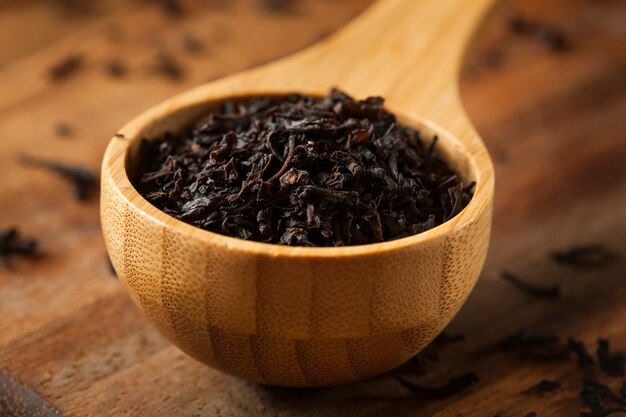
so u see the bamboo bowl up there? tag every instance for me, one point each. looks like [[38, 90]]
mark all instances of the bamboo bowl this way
[[294, 316]]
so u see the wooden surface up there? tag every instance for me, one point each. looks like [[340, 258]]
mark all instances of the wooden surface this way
[[305, 317], [554, 124]]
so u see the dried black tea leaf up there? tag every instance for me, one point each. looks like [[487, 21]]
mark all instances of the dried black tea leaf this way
[[531, 414], [66, 67], [422, 360], [192, 44], [545, 35], [218, 4], [168, 66], [452, 387], [585, 360], [84, 181], [543, 387], [445, 339], [172, 8], [622, 390], [604, 412], [594, 401], [548, 354], [552, 291], [303, 171], [526, 337], [542, 347], [590, 256], [116, 68], [277, 6], [610, 362], [111, 267], [592, 386], [494, 58], [594, 395], [11, 244], [73, 7], [64, 130]]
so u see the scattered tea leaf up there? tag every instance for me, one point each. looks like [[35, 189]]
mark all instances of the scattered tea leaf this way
[[84, 181], [592, 386], [526, 337], [604, 412], [585, 360], [552, 291], [547, 354], [610, 362], [218, 4], [322, 35], [172, 8], [73, 7], [12, 245], [542, 387], [116, 68], [302, 171], [66, 67], [531, 414], [452, 387], [422, 360], [277, 6], [593, 400], [593, 396], [494, 58], [168, 66], [192, 44], [543, 347], [111, 267], [545, 35], [590, 256], [64, 130], [445, 339]]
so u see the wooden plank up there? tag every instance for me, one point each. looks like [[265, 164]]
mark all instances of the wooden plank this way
[[553, 122]]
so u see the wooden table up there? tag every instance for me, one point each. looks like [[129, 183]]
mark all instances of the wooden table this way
[[73, 344]]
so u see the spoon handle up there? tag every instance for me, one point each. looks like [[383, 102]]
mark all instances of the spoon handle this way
[[408, 51]]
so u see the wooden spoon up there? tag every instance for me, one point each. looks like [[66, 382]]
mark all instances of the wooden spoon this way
[[297, 316]]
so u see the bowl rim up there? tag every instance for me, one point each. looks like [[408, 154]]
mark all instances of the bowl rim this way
[[114, 165]]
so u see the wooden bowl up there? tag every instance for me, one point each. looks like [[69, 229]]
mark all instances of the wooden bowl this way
[[295, 316]]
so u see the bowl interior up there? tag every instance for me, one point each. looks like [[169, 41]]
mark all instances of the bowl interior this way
[[175, 116], [448, 148]]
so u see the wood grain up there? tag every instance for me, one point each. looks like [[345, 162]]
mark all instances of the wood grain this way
[[554, 123]]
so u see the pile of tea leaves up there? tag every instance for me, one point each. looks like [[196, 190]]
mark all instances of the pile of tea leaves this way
[[302, 171]]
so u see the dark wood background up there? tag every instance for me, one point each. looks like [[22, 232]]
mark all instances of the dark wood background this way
[[555, 123]]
